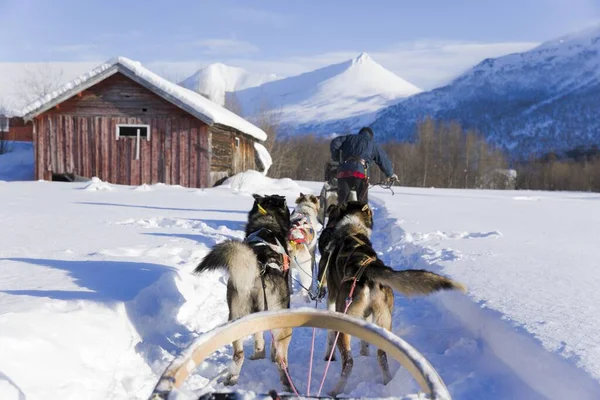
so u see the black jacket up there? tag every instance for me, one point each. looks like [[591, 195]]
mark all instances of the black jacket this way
[[363, 147]]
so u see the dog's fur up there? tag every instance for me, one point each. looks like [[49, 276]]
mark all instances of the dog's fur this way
[[269, 220], [329, 192], [350, 253], [302, 242], [328, 197]]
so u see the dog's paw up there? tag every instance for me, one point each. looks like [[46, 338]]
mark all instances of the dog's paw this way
[[333, 358], [231, 380], [258, 355], [364, 349]]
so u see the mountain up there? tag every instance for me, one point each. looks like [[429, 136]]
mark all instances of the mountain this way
[[215, 80], [332, 99], [545, 99]]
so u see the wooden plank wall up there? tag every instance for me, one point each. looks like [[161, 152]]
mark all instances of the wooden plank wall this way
[[87, 146], [19, 131], [228, 160], [79, 137]]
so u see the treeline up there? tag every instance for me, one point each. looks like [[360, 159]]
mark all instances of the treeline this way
[[578, 169], [444, 155]]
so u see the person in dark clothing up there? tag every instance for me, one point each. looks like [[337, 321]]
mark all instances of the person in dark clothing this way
[[355, 154]]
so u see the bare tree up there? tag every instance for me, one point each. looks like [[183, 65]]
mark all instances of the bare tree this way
[[232, 103], [40, 81]]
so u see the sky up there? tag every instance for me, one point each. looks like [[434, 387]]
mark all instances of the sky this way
[[426, 42]]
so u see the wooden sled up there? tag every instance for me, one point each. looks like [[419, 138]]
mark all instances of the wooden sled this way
[[179, 370]]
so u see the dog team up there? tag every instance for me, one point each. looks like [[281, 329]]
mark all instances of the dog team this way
[[260, 277]]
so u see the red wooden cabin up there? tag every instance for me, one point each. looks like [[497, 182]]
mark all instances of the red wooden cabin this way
[[15, 128], [126, 125]]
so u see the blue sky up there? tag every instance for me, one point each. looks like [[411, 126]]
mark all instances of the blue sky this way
[[424, 41]]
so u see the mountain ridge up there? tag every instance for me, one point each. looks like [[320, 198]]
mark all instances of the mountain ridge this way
[[527, 103]]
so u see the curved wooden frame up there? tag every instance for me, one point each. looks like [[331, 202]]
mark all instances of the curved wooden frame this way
[[420, 369]]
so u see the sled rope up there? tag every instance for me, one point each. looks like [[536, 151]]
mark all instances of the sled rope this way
[[348, 303], [281, 363], [363, 265], [314, 331]]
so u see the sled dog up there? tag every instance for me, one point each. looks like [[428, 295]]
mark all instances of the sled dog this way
[[258, 277], [302, 240], [349, 255], [329, 190]]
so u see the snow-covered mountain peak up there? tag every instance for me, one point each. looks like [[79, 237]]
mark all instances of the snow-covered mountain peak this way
[[334, 98], [362, 58], [537, 101], [216, 79]]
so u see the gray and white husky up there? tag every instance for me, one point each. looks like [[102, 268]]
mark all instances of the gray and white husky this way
[[302, 240], [260, 261]]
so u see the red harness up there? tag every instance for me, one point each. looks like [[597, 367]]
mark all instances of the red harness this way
[[351, 174], [301, 231]]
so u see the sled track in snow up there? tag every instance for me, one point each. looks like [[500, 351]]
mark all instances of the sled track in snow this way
[[477, 353], [475, 350]]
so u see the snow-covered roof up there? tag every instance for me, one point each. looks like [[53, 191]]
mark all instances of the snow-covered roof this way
[[192, 102]]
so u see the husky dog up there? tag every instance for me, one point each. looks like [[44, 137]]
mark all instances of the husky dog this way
[[302, 239], [329, 190], [258, 277], [350, 258], [327, 198]]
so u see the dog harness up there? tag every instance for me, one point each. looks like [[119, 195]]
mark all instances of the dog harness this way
[[302, 231], [254, 240]]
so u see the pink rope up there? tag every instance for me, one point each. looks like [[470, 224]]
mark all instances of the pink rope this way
[[348, 302], [284, 367], [312, 350]]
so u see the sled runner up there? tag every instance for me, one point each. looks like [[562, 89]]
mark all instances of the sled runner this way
[[180, 369]]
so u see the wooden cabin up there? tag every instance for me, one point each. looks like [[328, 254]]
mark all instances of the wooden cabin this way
[[15, 129], [126, 125]]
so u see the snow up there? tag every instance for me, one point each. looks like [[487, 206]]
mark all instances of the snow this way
[[96, 184], [255, 182], [212, 113], [97, 295], [344, 95], [215, 80], [534, 102], [264, 157]]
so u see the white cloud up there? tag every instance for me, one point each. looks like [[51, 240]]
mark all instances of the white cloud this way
[[226, 46], [429, 64]]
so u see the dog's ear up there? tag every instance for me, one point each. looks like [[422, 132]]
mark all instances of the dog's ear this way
[[367, 210], [314, 199], [257, 197], [299, 199]]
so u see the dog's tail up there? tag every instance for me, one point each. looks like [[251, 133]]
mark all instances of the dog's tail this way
[[237, 258], [412, 281]]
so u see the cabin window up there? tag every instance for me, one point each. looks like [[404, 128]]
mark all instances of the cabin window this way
[[137, 132], [4, 123], [237, 142], [131, 131]]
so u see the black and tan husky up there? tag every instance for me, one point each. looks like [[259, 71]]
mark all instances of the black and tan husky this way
[[261, 260], [347, 253]]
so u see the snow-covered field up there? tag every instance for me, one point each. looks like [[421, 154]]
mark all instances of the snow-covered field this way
[[97, 295]]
